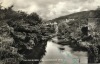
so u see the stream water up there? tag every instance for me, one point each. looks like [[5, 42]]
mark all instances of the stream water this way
[[58, 54]]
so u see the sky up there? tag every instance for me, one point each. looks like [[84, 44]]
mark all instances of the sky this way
[[50, 9]]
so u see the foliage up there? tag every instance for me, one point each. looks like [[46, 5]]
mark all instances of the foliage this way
[[24, 30]]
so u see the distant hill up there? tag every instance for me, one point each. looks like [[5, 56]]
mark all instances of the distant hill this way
[[80, 15]]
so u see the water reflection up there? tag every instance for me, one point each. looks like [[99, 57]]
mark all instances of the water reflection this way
[[58, 54], [53, 53], [35, 55]]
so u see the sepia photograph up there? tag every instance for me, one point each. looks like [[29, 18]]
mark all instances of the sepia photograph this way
[[49, 31]]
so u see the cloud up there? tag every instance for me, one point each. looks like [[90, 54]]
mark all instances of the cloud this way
[[50, 9], [67, 7], [6, 3], [55, 10], [63, 8], [28, 6]]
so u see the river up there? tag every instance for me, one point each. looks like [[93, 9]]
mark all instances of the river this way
[[59, 54]]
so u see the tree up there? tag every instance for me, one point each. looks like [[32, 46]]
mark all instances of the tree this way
[[98, 8]]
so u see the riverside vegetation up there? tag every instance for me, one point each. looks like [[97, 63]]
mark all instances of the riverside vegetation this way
[[21, 37], [24, 37], [81, 31]]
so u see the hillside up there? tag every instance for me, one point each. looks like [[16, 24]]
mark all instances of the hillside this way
[[82, 33], [80, 15]]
